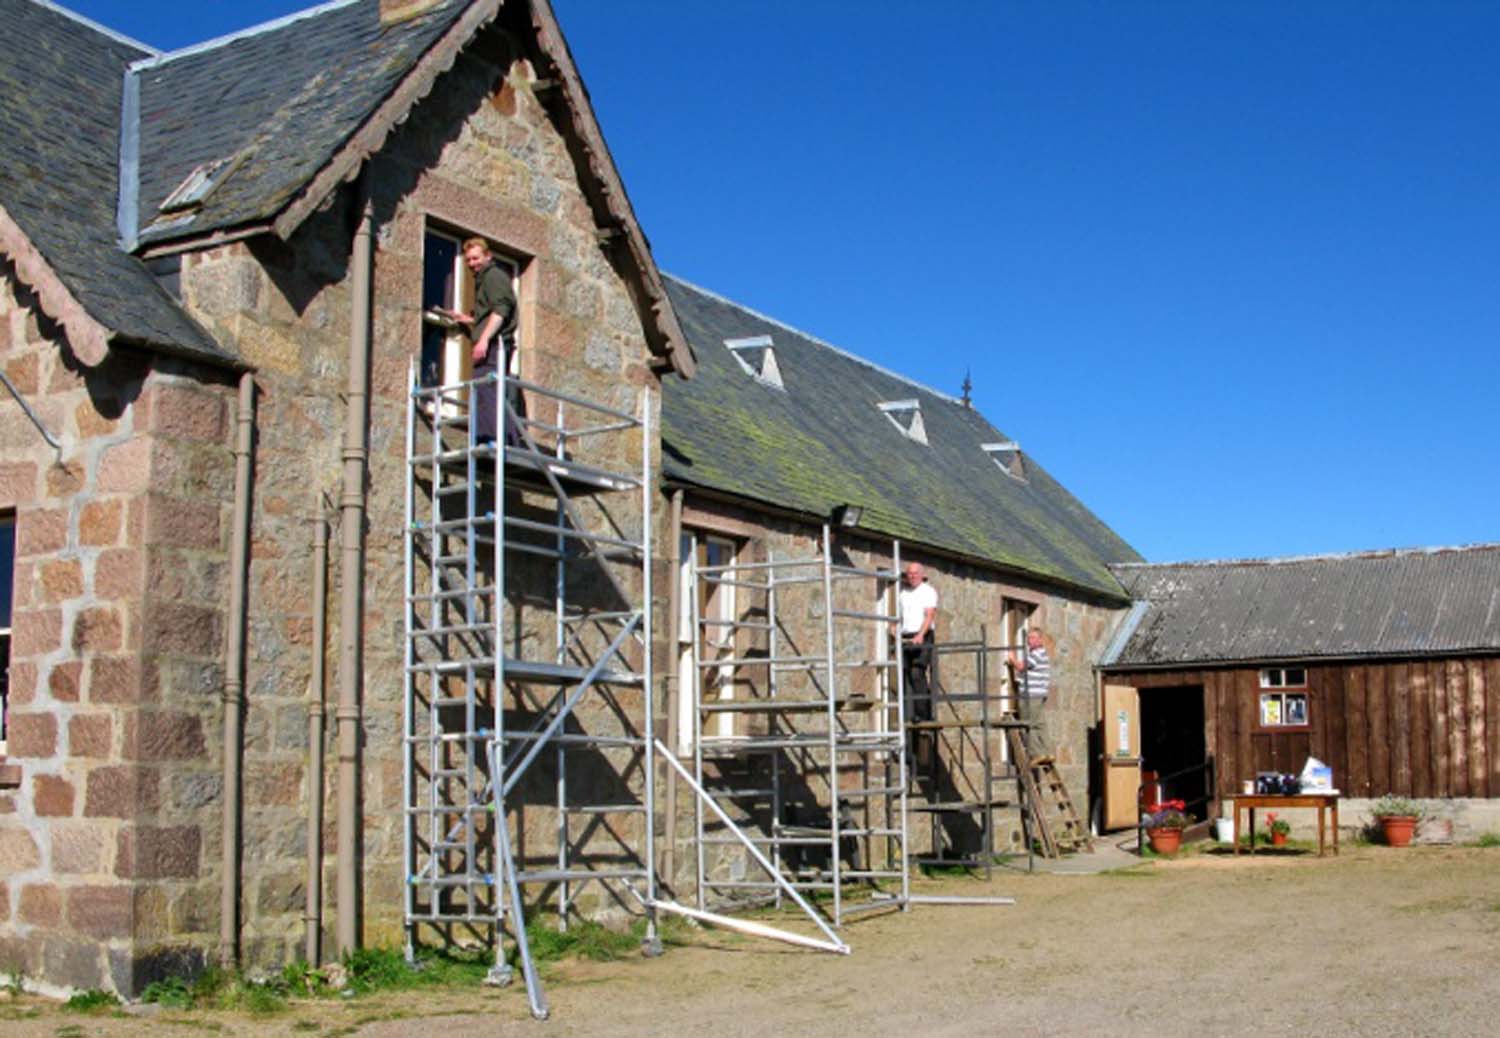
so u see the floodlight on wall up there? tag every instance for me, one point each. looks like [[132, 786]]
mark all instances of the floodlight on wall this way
[[847, 515]]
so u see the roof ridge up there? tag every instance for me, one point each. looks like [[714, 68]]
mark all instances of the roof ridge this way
[[813, 338], [1282, 560], [160, 58], [104, 30]]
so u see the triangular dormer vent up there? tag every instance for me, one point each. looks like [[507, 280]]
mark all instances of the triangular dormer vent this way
[[906, 415], [1008, 456], [757, 355]]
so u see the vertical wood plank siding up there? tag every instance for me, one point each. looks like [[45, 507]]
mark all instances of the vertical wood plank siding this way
[[1422, 728]]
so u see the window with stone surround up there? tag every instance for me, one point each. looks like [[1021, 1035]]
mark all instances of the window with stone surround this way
[[7, 598], [448, 285]]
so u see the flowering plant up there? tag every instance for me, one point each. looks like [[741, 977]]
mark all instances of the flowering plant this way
[[1168, 814], [1276, 825]]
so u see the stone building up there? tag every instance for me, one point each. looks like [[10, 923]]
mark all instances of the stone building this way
[[219, 271]]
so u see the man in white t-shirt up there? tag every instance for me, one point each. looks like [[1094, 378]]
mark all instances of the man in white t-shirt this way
[[918, 602]]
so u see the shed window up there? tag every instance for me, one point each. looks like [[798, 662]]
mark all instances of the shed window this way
[[1283, 709], [1283, 677]]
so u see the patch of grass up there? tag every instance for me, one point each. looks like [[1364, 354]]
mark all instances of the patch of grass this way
[[171, 993], [582, 940], [69, 1031], [1487, 840], [90, 1001]]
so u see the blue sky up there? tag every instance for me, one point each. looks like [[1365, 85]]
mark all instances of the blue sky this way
[[1228, 270]]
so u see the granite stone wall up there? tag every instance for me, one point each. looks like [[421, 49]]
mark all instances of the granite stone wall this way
[[115, 666]]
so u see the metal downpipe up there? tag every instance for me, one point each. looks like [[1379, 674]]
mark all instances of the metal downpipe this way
[[316, 706], [234, 677], [351, 600]]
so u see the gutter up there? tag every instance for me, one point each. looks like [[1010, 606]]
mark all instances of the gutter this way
[[1098, 596], [672, 680]]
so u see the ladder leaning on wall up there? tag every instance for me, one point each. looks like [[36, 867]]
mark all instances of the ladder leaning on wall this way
[[527, 634]]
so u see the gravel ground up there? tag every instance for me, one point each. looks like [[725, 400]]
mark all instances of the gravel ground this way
[[1375, 942]]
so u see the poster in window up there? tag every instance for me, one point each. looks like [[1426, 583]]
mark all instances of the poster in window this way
[[1296, 709], [1270, 710]]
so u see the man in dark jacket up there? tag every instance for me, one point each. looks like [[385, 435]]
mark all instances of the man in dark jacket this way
[[492, 328]]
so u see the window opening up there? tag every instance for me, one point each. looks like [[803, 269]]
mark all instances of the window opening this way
[[447, 285], [716, 605], [906, 415], [1283, 709], [1015, 621], [757, 356]]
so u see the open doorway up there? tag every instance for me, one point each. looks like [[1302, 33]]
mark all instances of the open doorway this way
[[1174, 752]]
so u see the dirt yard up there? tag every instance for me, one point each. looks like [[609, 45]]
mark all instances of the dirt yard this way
[[1375, 942]]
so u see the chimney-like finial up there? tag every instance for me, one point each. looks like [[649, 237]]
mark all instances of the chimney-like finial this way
[[968, 399]]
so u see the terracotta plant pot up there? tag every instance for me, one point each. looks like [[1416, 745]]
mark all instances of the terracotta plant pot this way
[[1398, 829], [1278, 839], [1165, 841]]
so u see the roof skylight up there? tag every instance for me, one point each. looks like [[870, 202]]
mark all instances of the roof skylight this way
[[757, 355], [1007, 455], [906, 415]]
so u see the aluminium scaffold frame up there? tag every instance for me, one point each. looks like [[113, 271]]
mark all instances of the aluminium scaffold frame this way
[[466, 673], [818, 730]]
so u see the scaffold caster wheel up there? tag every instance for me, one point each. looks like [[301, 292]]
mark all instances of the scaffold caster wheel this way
[[499, 976], [651, 947]]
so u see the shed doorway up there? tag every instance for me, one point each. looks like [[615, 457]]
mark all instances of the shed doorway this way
[[1174, 751]]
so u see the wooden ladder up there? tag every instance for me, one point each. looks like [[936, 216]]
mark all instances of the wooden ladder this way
[[1048, 803]]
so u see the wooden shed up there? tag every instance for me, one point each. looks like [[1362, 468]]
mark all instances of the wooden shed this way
[[1383, 665]]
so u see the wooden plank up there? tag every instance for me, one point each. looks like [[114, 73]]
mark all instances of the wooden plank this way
[[1437, 681], [1379, 729], [1421, 725], [1479, 785], [1357, 731], [1210, 731], [1245, 707], [1458, 722], [1317, 717], [1399, 699], [1231, 770], [1331, 681], [1492, 723]]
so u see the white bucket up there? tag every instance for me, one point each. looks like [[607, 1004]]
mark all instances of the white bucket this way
[[1224, 829]]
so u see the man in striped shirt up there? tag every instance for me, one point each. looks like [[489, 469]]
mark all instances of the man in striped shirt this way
[[1035, 666]]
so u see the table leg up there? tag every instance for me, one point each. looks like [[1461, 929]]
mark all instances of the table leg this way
[[1252, 829], [1236, 826], [1335, 828], [1320, 830]]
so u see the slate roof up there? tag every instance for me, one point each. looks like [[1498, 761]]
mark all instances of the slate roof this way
[[61, 80], [1416, 602], [822, 441], [272, 105]]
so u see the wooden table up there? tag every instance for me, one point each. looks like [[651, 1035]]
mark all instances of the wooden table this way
[[1324, 802]]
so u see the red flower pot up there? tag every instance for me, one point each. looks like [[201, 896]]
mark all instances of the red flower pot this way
[[1278, 839], [1165, 841], [1398, 829]]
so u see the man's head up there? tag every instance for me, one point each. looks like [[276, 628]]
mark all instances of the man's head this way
[[915, 574], [476, 254], [1034, 637]]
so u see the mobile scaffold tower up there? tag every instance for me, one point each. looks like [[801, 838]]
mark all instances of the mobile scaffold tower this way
[[528, 714], [963, 770], [798, 740]]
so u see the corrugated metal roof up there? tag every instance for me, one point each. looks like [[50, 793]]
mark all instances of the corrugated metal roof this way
[[1411, 602]]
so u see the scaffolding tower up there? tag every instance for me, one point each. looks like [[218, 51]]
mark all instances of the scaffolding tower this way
[[528, 712], [961, 771], [800, 717]]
